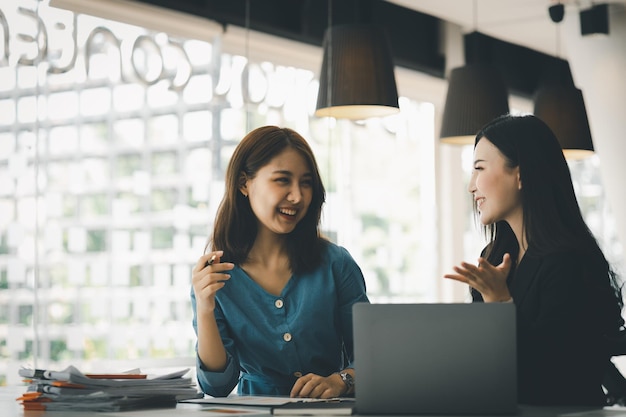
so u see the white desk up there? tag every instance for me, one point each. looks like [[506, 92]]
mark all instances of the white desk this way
[[9, 407]]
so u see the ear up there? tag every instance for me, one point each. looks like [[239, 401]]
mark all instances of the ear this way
[[243, 184], [519, 180]]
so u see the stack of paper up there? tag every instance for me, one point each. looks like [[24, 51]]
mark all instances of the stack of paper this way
[[70, 390]]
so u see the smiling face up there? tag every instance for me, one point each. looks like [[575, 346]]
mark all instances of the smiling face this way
[[281, 192], [495, 186]]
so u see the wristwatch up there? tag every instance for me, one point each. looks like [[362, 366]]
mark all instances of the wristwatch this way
[[348, 380]]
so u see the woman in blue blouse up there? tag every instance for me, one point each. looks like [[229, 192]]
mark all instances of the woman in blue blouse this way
[[272, 299]]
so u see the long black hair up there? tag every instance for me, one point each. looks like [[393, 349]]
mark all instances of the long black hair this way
[[235, 228], [552, 220]]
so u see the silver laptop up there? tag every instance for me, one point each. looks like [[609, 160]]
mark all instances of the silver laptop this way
[[435, 358]]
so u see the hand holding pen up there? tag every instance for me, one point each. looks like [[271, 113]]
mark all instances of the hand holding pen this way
[[209, 276], [211, 261]]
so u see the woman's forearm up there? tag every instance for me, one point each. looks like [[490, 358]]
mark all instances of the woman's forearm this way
[[211, 349]]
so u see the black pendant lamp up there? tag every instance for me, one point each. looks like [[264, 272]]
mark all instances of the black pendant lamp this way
[[357, 77], [561, 105], [476, 94]]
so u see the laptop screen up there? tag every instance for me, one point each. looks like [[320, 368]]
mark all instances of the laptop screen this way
[[435, 358]]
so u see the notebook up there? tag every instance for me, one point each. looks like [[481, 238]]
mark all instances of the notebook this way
[[435, 358]]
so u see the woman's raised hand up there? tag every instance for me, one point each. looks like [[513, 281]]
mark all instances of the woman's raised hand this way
[[208, 277], [488, 279]]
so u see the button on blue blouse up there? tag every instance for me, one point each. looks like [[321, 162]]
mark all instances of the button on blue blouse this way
[[272, 340]]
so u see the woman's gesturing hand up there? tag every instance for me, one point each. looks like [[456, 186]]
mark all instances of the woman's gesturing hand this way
[[489, 280], [208, 277]]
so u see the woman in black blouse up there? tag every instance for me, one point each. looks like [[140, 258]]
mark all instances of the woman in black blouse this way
[[542, 256]]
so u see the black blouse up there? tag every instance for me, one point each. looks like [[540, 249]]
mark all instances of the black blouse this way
[[565, 309]]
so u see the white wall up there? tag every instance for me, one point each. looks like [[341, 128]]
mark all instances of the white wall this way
[[598, 66]]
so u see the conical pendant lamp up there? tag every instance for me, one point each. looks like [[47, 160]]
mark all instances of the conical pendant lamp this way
[[476, 95], [357, 77], [561, 105]]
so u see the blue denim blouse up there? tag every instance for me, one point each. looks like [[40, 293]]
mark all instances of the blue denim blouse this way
[[272, 340]]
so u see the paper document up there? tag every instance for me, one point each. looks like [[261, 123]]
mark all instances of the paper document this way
[[250, 400], [330, 407]]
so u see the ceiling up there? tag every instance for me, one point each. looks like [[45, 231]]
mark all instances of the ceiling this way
[[516, 36], [522, 22]]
